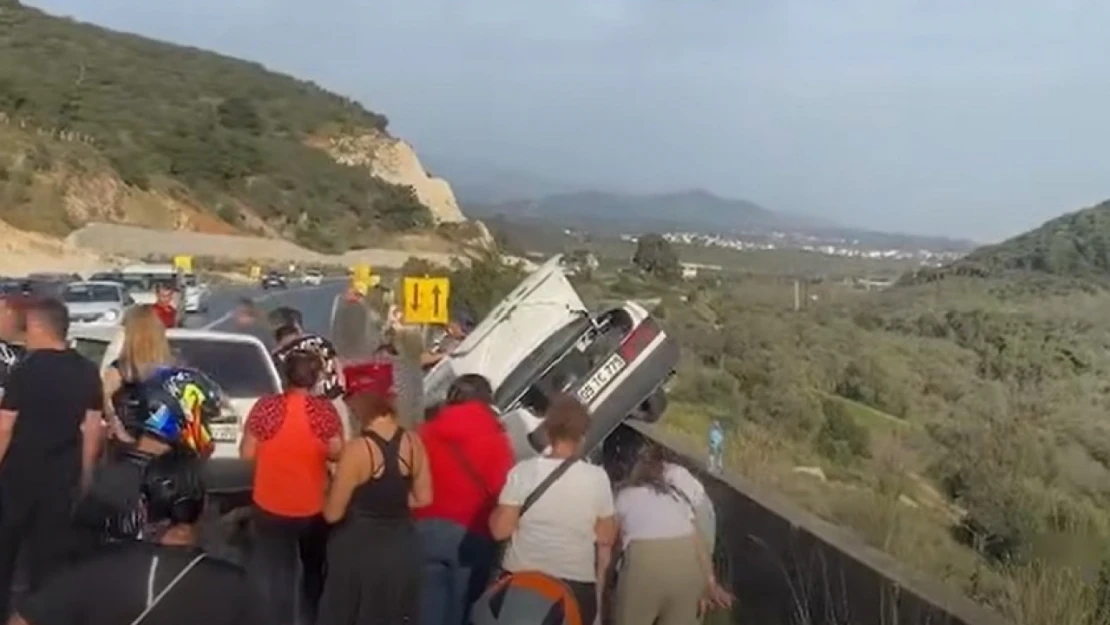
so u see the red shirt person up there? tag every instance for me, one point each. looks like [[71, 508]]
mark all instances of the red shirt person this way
[[469, 455], [290, 438], [164, 307]]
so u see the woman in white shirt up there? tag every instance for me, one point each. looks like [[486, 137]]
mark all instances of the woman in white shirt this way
[[569, 531], [666, 570]]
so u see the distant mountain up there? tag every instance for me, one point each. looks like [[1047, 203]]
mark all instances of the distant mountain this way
[[693, 211], [476, 183], [1075, 245], [615, 212]]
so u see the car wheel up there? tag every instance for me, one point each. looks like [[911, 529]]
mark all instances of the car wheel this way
[[652, 408]]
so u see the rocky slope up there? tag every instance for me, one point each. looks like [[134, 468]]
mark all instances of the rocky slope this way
[[101, 126]]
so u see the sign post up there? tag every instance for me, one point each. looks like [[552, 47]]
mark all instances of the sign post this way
[[425, 300]]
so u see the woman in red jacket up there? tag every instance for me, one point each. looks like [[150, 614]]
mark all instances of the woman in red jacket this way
[[470, 456]]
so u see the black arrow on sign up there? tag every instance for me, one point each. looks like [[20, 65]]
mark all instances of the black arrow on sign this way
[[435, 300], [416, 296]]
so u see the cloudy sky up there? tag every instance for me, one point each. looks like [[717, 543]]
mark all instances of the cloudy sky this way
[[971, 118]]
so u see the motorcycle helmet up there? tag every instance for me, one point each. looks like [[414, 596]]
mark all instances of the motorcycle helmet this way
[[526, 598], [180, 403]]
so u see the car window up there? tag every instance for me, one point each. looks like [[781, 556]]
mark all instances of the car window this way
[[78, 293], [241, 369], [93, 349], [533, 367]]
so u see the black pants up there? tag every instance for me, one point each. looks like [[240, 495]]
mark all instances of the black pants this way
[[281, 543], [36, 522]]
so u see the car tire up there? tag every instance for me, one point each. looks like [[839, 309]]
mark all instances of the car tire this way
[[652, 408]]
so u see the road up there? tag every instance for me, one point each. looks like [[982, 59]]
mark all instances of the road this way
[[315, 303]]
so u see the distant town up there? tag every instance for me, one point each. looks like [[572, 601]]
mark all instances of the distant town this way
[[809, 243]]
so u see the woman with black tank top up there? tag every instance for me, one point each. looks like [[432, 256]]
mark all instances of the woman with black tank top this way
[[145, 348], [374, 557]]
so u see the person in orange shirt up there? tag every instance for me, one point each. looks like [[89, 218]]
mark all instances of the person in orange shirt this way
[[291, 437], [164, 307]]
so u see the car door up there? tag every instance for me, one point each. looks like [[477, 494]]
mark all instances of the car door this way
[[542, 303]]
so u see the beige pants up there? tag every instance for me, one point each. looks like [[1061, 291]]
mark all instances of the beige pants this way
[[659, 583]]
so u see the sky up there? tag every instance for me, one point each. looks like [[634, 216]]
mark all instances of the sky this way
[[975, 119]]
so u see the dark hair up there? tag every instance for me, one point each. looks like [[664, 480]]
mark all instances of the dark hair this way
[[302, 369], [286, 316], [285, 331], [50, 312], [368, 405], [650, 469], [566, 419], [470, 387], [174, 489]]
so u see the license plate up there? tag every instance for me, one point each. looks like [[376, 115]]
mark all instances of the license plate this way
[[598, 380], [224, 432]]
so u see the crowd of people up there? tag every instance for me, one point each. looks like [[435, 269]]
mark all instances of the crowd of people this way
[[416, 515]]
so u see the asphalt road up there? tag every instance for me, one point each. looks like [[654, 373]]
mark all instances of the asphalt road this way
[[315, 303]]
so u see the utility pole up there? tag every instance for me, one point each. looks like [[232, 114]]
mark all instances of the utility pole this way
[[797, 295]]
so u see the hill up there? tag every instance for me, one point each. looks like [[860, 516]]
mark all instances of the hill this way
[[702, 212], [97, 125], [1075, 245]]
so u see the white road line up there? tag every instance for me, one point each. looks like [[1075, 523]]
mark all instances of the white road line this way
[[265, 298]]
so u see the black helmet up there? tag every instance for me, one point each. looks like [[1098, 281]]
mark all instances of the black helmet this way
[[526, 598], [179, 403], [173, 489]]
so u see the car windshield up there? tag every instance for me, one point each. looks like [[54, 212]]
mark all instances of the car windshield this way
[[241, 369], [93, 349], [190, 279], [84, 293]]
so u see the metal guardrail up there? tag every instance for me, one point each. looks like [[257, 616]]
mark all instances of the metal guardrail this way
[[788, 567]]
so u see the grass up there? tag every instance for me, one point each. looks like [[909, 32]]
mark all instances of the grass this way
[[897, 512]]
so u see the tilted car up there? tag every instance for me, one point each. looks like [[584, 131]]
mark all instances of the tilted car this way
[[541, 340], [96, 302]]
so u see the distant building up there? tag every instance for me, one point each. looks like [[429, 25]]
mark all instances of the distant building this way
[[690, 270]]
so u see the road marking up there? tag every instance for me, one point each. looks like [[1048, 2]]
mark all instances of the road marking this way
[[265, 298]]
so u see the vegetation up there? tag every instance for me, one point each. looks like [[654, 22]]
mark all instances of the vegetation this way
[[957, 422], [194, 125], [655, 256]]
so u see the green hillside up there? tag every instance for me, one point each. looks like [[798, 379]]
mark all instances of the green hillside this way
[[228, 135], [1075, 245]]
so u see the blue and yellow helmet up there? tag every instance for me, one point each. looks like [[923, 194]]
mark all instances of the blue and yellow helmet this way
[[180, 404]]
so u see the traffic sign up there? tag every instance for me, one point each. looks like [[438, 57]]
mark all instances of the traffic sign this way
[[425, 300], [184, 264], [256, 272], [361, 272]]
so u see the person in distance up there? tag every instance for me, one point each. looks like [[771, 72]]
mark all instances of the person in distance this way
[[164, 579]]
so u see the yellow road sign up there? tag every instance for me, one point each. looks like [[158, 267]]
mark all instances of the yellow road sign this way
[[361, 272], [256, 272], [183, 264], [425, 300]]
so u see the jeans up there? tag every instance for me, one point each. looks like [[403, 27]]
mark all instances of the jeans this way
[[457, 565], [280, 544]]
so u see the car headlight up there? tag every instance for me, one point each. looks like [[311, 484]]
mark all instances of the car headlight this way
[[110, 315]]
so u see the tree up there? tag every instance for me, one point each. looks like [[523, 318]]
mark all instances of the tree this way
[[656, 256]]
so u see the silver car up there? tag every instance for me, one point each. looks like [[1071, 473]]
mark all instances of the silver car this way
[[96, 302]]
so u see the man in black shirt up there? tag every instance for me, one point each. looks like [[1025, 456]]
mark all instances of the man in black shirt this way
[[163, 580], [50, 434], [11, 329]]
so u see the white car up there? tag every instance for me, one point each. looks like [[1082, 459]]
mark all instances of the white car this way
[[195, 295], [312, 278], [541, 340], [96, 302], [239, 363]]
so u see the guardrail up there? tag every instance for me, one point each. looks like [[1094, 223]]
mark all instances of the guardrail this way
[[788, 567]]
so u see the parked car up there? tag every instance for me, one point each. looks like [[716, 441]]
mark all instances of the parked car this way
[[273, 280], [542, 340], [96, 302], [238, 363]]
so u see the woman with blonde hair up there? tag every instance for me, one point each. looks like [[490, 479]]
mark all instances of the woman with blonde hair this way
[[145, 349]]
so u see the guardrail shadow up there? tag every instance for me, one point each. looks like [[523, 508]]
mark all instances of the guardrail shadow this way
[[788, 567]]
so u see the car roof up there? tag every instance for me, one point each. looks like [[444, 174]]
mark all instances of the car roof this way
[[108, 333]]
